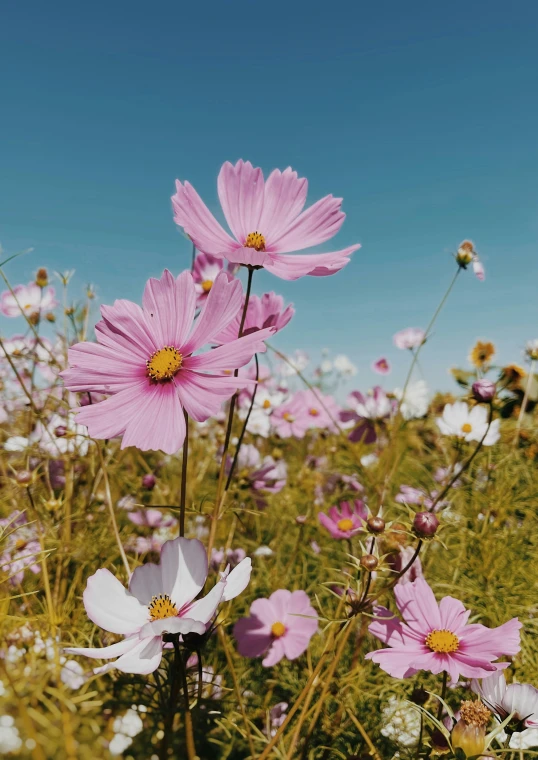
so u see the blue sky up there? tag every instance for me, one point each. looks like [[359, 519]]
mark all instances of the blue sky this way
[[422, 115]]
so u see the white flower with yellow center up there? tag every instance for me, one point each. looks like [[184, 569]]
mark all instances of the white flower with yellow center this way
[[470, 424]]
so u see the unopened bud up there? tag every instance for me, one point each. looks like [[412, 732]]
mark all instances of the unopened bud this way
[[23, 477], [484, 390], [376, 524], [369, 562], [469, 733], [42, 277], [148, 481], [419, 696], [69, 311], [34, 318], [50, 317], [465, 254], [60, 431], [425, 524]]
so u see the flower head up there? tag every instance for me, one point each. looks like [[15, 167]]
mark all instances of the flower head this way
[[282, 626], [204, 273], [160, 599], [267, 311], [144, 360], [267, 221], [346, 520], [411, 337], [382, 366], [30, 300], [481, 354], [436, 637], [471, 424], [521, 699]]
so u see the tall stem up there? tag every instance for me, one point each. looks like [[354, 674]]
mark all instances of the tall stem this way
[[220, 484], [110, 506], [245, 425], [443, 695], [184, 463], [524, 402]]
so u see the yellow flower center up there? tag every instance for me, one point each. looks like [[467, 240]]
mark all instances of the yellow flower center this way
[[162, 607], [288, 417], [345, 524], [266, 404], [255, 240], [278, 629], [207, 285], [164, 363], [442, 641], [466, 427], [313, 412]]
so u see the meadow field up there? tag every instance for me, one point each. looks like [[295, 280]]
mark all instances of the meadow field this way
[[208, 551]]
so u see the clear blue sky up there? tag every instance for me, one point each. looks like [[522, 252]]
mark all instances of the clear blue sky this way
[[422, 115]]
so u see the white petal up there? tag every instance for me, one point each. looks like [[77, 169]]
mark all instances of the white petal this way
[[205, 609], [110, 606], [144, 658], [238, 580], [183, 569], [146, 582], [104, 653], [171, 625]]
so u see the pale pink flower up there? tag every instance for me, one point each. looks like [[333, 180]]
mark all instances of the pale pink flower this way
[[267, 220], [346, 520], [521, 699], [204, 273], [160, 600], [479, 269], [144, 359], [151, 518], [397, 562], [382, 366], [267, 311], [367, 408], [436, 637], [412, 495], [411, 337], [291, 419], [20, 547], [282, 626], [261, 476], [27, 299]]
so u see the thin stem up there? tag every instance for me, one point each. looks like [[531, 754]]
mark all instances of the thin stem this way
[[362, 731], [443, 695], [184, 463], [189, 733], [524, 402], [108, 497], [245, 425], [200, 677], [220, 484], [238, 695], [193, 256]]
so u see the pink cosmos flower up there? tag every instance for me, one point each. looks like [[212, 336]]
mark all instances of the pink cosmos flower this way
[[27, 299], [267, 221], [304, 410], [267, 311], [160, 600], [21, 547], [436, 637], [204, 272], [282, 626], [346, 520], [144, 359], [261, 476], [411, 337], [412, 495], [397, 562], [365, 409], [382, 366]]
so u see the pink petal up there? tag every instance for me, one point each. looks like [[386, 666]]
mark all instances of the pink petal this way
[[203, 395], [275, 654], [248, 257], [314, 226], [284, 199], [231, 355], [102, 369], [109, 418], [110, 606], [252, 636], [159, 423], [145, 582], [170, 305], [280, 601], [295, 644], [315, 264], [125, 324], [504, 640], [200, 225], [264, 611], [240, 190], [453, 614], [142, 659], [418, 606], [183, 569], [390, 630], [221, 307], [474, 666], [395, 662]]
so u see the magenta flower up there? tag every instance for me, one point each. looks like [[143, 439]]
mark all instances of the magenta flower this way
[[204, 272], [27, 299], [144, 360], [267, 311], [282, 626], [267, 221], [411, 337], [346, 520], [436, 637], [382, 366], [365, 409]]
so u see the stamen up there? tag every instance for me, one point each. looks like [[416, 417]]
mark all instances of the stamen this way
[[162, 607], [466, 428], [313, 412], [207, 285], [164, 364], [255, 240], [278, 629], [442, 641], [345, 524]]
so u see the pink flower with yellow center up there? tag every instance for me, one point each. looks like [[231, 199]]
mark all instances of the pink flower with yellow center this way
[[346, 520], [267, 221], [144, 360]]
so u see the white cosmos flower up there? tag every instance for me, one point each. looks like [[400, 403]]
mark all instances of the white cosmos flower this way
[[160, 600], [415, 404], [470, 424], [521, 699], [344, 366]]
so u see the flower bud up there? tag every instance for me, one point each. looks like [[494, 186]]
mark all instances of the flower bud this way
[[23, 477], [425, 524], [483, 390], [469, 733], [369, 562], [376, 524], [148, 481], [42, 277], [60, 431], [465, 254], [33, 319], [419, 696], [50, 317]]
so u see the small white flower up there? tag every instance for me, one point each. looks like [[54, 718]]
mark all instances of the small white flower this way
[[524, 739], [415, 404], [16, 443], [129, 724], [470, 424], [263, 551], [10, 741], [402, 723], [72, 674], [369, 459]]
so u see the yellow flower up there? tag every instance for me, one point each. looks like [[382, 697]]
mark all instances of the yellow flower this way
[[481, 353]]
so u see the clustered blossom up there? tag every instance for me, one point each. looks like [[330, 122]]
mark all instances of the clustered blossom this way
[[365, 410], [262, 476], [305, 410]]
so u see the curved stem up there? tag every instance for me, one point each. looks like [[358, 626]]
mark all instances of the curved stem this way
[[245, 425], [108, 497], [184, 463]]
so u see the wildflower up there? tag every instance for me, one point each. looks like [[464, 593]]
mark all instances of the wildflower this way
[[436, 637], [483, 390], [233, 557], [266, 221], [160, 600], [365, 409], [415, 402], [149, 481], [401, 722], [481, 354], [397, 562], [30, 300], [382, 366], [531, 349], [412, 495], [205, 271], [291, 418], [277, 716], [346, 520], [263, 551], [10, 740], [344, 366], [297, 362], [465, 254], [470, 424], [261, 476], [144, 358], [282, 626], [521, 699], [320, 410], [410, 338], [21, 547], [267, 311], [151, 518], [125, 728], [469, 733]]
